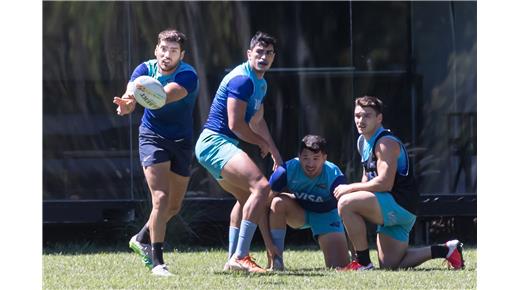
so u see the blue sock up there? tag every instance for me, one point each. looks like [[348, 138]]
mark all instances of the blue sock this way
[[247, 230], [278, 236], [233, 240]]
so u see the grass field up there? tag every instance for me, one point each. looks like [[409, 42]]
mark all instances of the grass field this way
[[78, 267]]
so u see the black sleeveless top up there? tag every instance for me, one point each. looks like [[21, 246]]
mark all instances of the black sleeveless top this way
[[404, 189]]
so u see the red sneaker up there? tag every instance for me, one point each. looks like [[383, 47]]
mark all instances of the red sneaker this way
[[454, 257], [245, 264], [356, 266]]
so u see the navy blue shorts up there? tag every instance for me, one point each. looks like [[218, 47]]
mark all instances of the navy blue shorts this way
[[154, 149]]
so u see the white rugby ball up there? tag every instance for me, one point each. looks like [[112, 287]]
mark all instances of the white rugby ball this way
[[151, 93]]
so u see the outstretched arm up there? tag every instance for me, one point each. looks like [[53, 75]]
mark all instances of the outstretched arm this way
[[265, 229], [277, 182], [126, 103]]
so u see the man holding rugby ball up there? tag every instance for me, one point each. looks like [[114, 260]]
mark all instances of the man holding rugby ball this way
[[165, 142]]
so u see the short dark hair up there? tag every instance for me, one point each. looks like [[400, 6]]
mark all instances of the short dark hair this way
[[172, 35], [371, 102], [314, 143], [262, 38]]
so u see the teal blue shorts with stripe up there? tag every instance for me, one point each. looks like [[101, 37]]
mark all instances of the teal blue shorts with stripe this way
[[213, 150], [397, 221], [323, 223]]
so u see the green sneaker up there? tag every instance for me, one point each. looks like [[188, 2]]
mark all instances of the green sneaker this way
[[143, 250]]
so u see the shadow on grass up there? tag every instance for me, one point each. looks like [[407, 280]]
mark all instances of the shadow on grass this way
[[426, 270], [306, 272], [300, 272]]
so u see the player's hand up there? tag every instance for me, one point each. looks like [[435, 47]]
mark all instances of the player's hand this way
[[125, 104], [272, 251], [264, 149], [277, 159], [341, 190]]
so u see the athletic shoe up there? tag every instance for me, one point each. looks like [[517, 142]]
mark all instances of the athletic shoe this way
[[454, 256], [143, 250], [161, 270], [245, 264], [226, 266], [355, 266], [277, 264]]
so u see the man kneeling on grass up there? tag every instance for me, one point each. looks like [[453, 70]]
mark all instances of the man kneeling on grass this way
[[303, 199], [387, 196]]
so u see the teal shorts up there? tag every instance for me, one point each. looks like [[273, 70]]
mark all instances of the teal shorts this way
[[323, 223], [397, 221], [213, 150]]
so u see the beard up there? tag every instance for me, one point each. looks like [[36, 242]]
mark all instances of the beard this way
[[168, 68]]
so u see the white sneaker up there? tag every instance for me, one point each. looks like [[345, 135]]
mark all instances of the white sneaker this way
[[233, 265], [226, 266], [143, 250], [161, 270]]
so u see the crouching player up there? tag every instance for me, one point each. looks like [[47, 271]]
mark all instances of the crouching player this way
[[387, 196], [303, 188]]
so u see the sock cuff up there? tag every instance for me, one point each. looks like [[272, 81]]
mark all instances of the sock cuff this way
[[247, 223], [278, 233], [439, 251], [157, 246]]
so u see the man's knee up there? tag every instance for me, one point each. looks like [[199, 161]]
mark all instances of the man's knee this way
[[160, 200], [278, 205], [261, 186], [346, 204]]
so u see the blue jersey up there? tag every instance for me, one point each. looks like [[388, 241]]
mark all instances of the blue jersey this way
[[313, 194], [174, 120], [402, 160], [243, 84]]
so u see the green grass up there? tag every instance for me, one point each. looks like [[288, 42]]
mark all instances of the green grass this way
[[82, 267]]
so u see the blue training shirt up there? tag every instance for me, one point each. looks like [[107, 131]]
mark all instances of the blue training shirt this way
[[241, 83], [174, 120], [316, 194]]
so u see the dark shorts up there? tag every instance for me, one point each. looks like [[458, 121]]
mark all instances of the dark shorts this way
[[154, 149]]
